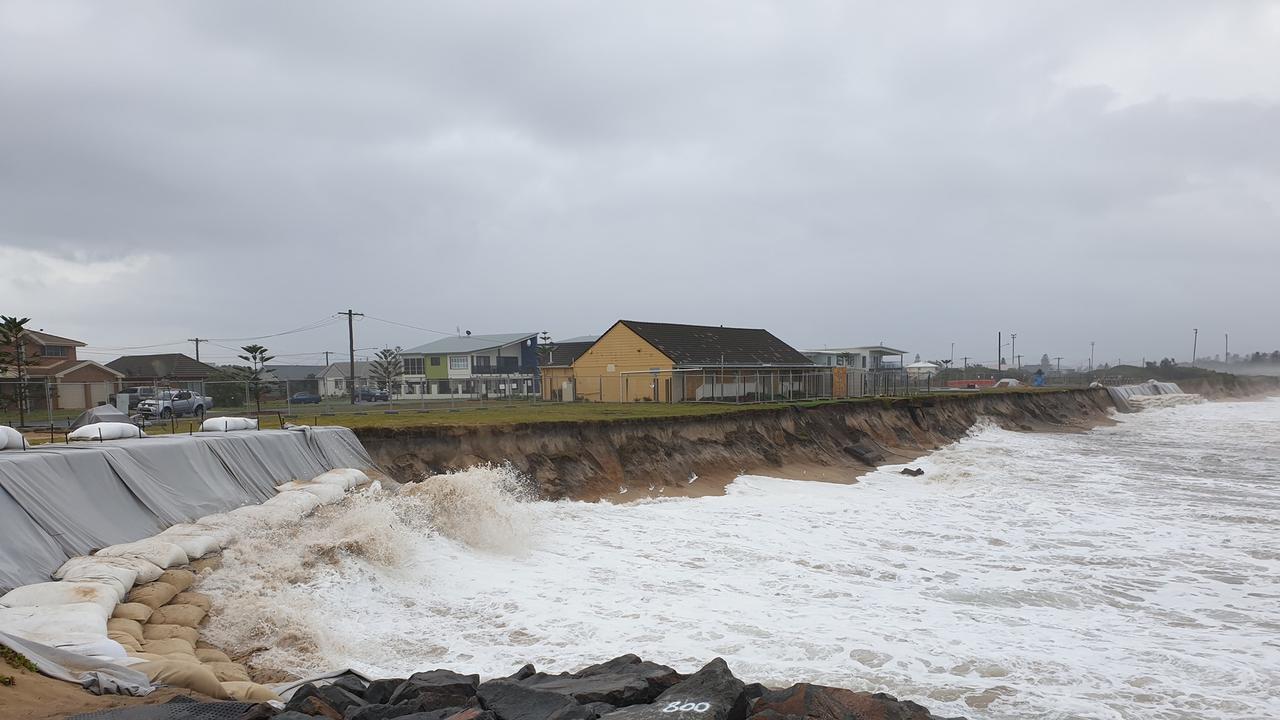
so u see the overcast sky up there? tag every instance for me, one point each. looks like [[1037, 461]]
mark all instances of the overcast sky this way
[[840, 173]]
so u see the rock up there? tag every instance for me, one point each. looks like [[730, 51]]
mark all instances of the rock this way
[[384, 711], [291, 715], [599, 708], [523, 672], [339, 699], [379, 691], [437, 689], [620, 682], [817, 702], [261, 711], [755, 690], [712, 693], [316, 706], [472, 714], [300, 695], [509, 700], [913, 472], [351, 684]]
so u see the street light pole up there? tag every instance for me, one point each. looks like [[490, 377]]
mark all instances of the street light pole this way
[[1226, 348], [1091, 356], [1195, 339]]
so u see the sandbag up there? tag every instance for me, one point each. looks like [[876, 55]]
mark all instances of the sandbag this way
[[191, 597], [102, 648], [191, 676], [132, 627], [158, 552], [36, 622], [106, 431], [221, 535], [266, 515], [195, 546], [209, 655], [303, 502], [184, 615], [169, 646], [168, 632], [132, 611], [250, 692], [346, 477], [228, 424], [11, 439], [153, 594], [98, 570], [179, 578], [146, 570], [328, 493], [63, 593], [228, 671], [127, 641]]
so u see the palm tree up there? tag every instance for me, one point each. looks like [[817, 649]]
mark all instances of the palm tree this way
[[256, 355], [12, 330]]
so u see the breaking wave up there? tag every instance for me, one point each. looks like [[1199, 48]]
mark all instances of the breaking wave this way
[[265, 608], [1129, 572]]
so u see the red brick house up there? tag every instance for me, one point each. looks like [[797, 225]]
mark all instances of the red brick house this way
[[52, 362]]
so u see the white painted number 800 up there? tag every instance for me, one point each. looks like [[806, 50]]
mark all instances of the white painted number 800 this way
[[678, 706]]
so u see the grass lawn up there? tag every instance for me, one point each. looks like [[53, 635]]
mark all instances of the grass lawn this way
[[497, 413]]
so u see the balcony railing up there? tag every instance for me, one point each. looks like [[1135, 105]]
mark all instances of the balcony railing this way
[[503, 370]]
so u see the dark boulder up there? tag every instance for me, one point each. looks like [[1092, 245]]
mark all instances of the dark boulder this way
[[291, 715], [599, 709], [444, 688], [513, 701], [351, 683], [817, 702], [913, 472], [712, 693], [383, 711], [620, 682], [315, 706], [339, 699], [380, 691], [523, 672], [299, 696]]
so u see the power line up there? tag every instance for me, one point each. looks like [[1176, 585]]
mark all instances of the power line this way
[[407, 325], [312, 326]]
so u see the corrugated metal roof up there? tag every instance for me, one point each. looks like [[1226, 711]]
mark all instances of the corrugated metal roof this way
[[469, 343], [165, 365]]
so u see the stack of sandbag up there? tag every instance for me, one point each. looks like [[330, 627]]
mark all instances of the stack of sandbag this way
[[11, 439], [346, 477], [228, 424], [106, 431], [69, 615]]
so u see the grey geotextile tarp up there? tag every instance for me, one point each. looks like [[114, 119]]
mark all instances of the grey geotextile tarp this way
[[63, 501], [97, 414], [99, 677], [25, 545]]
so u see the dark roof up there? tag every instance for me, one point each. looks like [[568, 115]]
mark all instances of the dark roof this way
[[562, 354], [702, 345], [45, 338], [168, 365]]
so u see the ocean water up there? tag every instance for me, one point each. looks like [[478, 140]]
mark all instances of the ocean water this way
[[1131, 571]]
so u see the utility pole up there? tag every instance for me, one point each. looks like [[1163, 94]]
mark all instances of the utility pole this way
[[1195, 340], [999, 351], [1090, 355], [1226, 348], [1013, 348], [327, 353], [953, 354], [197, 341], [1018, 359], [1059, 359], [351, 348]]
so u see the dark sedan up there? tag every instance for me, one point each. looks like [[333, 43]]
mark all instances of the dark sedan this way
[[305, 398]]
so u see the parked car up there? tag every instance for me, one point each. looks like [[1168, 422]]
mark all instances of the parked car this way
[[136, 395], [305, 398], [366, 394], [175, 403]]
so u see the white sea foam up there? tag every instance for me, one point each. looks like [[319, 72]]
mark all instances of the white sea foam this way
[[1129, 572]]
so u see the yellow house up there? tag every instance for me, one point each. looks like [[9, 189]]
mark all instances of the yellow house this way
[[668, 362]]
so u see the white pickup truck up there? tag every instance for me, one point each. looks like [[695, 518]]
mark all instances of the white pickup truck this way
[[175, 403]]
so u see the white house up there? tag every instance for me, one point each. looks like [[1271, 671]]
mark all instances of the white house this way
[[334, 380], [922, 370], [472, 366], [867, 357]]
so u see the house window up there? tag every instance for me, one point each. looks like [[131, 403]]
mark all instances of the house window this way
[[413, 366], [435, 361], [459, 362], [482, 361], [54, 351]]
